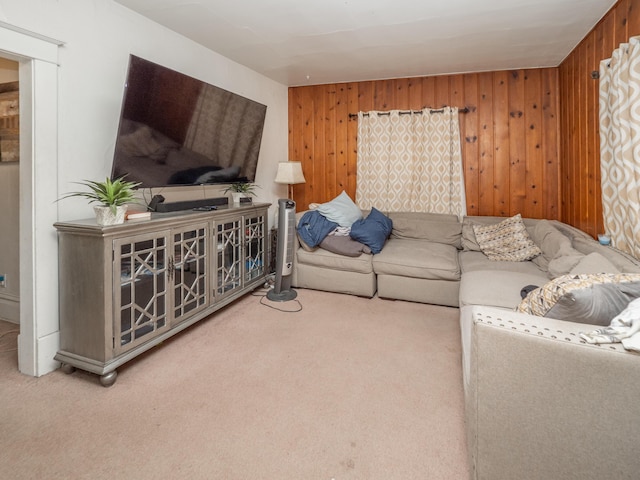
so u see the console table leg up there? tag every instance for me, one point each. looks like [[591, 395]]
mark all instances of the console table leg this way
[[108, 379], [68, 369]]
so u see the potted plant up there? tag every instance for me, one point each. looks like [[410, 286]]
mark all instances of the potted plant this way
[[241, 189], [112, 195]]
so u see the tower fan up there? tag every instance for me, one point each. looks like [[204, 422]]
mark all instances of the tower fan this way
[[282, 291]]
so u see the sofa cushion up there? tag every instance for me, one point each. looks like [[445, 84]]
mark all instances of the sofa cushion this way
[[435, 227], [472, 261], [506, 241], [344, 245], [594, 263], [587, 298], [586, 244], [341, 210], [564, 261], [495, 288], [373, 231], [622, 261], [558, 255], [329, 260], [418, 259], [548, 238]]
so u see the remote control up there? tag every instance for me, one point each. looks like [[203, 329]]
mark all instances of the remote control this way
[[206, 208]]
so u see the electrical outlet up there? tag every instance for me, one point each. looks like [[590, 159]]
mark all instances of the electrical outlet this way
[[3, 280]]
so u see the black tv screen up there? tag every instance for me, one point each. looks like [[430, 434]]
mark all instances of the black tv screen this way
[[176, 130]]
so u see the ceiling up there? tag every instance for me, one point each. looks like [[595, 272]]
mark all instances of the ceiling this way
[[297, 42]]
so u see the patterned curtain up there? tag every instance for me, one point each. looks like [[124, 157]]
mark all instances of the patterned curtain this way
[[410, 161], [620, 145]]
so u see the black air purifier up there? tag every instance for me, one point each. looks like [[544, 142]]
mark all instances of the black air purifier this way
[[282, 291]]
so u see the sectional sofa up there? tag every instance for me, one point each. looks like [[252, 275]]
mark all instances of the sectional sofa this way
[[540, 402]]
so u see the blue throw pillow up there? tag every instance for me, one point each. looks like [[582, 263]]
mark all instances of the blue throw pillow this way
[[373, 231]]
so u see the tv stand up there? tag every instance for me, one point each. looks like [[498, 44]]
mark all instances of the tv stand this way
[[126, 288]]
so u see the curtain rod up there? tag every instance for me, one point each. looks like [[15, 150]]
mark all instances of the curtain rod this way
[[441, 110]]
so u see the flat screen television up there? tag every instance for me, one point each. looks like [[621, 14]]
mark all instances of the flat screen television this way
[[176, 130]]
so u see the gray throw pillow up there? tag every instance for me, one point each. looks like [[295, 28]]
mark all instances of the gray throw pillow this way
[[587, 298], [344, 245]]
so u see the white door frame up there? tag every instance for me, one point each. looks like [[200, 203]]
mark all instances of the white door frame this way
[[37, 56]]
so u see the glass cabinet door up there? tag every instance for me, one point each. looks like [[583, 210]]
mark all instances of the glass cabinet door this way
[[254, 238], [228, 246], [189, 271], [141, 277]]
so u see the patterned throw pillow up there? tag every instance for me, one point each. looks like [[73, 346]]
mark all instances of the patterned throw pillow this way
[[507, 241], [587, 298]]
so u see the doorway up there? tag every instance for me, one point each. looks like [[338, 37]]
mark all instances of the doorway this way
[[9, 192], [37, 58]]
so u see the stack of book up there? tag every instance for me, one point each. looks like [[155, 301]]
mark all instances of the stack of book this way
[[137, 215]]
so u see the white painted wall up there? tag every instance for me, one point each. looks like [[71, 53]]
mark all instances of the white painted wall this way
[[98, 37]]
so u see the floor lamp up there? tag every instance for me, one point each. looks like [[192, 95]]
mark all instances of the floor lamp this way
[[291, 174]]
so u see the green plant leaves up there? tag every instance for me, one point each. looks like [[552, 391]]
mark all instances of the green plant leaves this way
[[110, 193], [242, 187]]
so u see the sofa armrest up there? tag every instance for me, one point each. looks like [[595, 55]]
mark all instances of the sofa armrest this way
[[541, 403]]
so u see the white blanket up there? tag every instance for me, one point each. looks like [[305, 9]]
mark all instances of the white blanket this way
[[624, 328]]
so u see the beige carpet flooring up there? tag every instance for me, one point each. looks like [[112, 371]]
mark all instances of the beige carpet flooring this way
[[346, 388]]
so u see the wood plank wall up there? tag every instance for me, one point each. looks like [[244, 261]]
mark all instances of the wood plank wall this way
[[524, 128], [509, 136], [580, 142]]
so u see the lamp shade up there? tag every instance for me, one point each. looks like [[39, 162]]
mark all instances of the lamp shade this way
[[289, 173]]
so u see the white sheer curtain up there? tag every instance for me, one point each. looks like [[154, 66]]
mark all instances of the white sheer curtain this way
[[410, 161], [620, 145]]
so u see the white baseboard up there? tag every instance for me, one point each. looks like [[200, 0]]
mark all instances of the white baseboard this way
[[48, 346]]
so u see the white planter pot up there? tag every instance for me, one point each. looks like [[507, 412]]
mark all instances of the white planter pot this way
[[236, 196], [105, 216]]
